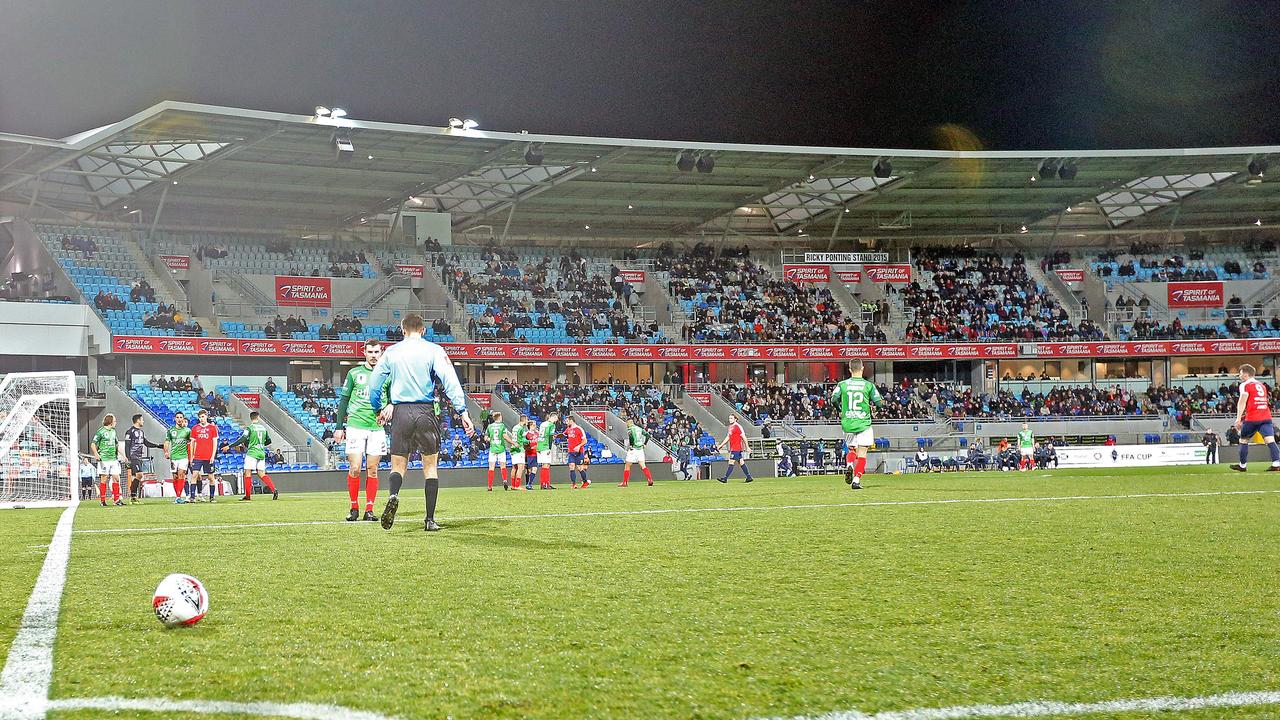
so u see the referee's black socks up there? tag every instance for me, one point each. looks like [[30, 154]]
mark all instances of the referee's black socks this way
[[432, 491], [396, 481]]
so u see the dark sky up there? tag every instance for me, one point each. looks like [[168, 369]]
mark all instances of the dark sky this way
[[1019, 74]]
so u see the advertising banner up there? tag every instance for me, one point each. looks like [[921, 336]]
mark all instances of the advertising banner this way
[[897, 273], [702, 398], [484, 400], [847, 258], [176, 262], [1070, 275], [253, 401], [1196, 294], [1101, 456], [413, 271], [304, 291], [635, 277], [595, 417], [807, 273], [849, 277]]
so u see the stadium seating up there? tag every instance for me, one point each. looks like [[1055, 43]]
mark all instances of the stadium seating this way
[[811, 402], [962, 295], [957, 402], [278, 256], [246, 331], [731, 298], [542, 297], [97, 262]]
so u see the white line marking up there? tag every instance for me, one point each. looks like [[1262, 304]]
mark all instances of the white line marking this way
[[1053, 708], [742, 508], [24, 683], [301, 711]]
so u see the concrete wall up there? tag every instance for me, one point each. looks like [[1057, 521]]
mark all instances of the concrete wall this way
[[50, 329]]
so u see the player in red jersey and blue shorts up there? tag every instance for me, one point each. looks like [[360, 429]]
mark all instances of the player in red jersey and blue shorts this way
[[1253, 416], [736, 439], [577, 442]]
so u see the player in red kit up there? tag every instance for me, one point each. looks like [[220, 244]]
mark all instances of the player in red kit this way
[[736, 439], [204, 447], [1253, 416], [577, 440]]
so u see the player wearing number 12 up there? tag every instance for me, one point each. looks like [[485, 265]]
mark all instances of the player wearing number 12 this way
[[855, 395], [366, 441]]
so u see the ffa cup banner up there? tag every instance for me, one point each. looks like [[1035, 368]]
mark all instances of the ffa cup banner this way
[[304, 291], [807, 273], [1195, 294]]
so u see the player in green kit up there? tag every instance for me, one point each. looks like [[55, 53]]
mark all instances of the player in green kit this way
[[255, 441], [105, 449], [499, 441], [366, 441], [175, 449], [1026, 446], [637, 438], [546, 440], [854, 396]]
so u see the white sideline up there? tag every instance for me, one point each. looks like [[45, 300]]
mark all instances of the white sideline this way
[[24, 683], [1053, 708], [301, 711], [672, 511]]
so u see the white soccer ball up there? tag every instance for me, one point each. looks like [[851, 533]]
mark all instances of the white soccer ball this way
[[180, 600]]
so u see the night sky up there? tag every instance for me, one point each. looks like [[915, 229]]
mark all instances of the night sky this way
[[1021, 74]]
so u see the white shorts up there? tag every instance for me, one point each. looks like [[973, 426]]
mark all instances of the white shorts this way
[[366, 442], [864, 439], [634, 455], [109, 467], [497, 458], [181, 465], [254, 464], [1027, 452], [544, 457], [517, 458]]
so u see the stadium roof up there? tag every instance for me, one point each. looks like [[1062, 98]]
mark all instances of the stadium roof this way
[[209, 166]]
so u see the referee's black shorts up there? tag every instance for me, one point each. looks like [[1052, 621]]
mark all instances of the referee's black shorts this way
[[415, 426]]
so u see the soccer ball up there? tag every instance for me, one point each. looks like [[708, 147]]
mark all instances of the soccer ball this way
[[180, 600]]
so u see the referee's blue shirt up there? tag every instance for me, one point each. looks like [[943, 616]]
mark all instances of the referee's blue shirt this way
[[413, 364]]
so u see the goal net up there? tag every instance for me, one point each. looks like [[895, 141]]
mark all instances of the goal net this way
[[39, 466]]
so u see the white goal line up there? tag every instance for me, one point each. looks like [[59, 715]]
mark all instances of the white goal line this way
[[677, 511]]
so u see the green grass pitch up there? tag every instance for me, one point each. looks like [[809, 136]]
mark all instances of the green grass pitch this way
[[777, 611]]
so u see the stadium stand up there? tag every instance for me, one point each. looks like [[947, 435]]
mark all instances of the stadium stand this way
[[541, 297], [811, 402], [107, 277], [728, 297], [964, 295], [1152, 262], [281, 256], [963, 402]]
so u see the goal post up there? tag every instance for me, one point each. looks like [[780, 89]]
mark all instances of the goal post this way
[[39, 463]]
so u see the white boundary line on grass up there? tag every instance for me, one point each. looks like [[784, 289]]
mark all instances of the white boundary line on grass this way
[[24, 683], [1053, 708], [301, 711], [673, 511]]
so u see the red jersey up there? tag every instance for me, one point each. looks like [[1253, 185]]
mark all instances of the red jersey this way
[[204, 438], [1257, 406], [577, 439], [531, 442], [737, 438]]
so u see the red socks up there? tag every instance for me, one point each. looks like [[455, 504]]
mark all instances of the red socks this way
[[647, 475], [544, 474], [353, 489], [859, 467], [248, 484], [179, 485], [266, 480], [506, 479], [851, 457], [490, 479], [370, 492], [115, 491], [102, 491], [626, 477]]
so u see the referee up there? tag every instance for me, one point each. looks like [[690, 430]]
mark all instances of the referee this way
[[413, 366]]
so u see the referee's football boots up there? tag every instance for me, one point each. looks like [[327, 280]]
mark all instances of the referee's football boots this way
[[389, 512]]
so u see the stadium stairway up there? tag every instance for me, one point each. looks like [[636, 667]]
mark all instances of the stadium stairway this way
[[705, 418], [164, 284], [294, 452], [294, 432]]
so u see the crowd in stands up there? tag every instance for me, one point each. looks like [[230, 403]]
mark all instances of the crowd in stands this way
[[168, 317], [141, 291], [285, 327], [805, 402], [210, 401], [341, 324], [963, 402], [730, 298], [1055, 259], [1181, 404], [1152, 262], [108, 301], [83, 244], [969, 296], [211, 252]]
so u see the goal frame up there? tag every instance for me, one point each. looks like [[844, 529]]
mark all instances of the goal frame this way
[[73, 437]]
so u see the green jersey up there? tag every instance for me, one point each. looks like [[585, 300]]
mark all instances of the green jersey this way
[[178, 437], [546, 435], [257, 439], [105, 441], [855, 396], [636, 437], [497, 434], [1026, 438], [355, 391]]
